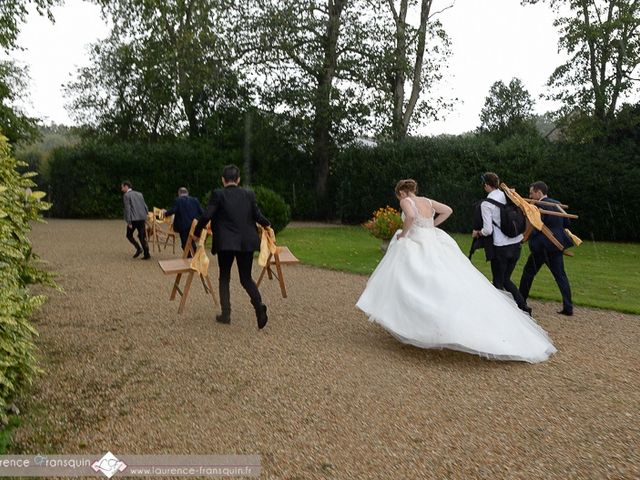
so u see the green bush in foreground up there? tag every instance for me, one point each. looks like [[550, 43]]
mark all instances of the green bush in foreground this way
[[273, 207], [18, 207]]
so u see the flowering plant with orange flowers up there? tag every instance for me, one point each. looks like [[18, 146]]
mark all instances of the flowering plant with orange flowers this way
[[385, 222]]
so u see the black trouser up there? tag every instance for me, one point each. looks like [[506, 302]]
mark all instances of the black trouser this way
[[245, 262], [138, 225], [555, 262], [184, 236], [502, 265]]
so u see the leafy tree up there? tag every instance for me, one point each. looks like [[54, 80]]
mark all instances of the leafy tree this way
[[126, 91], [178, 60], [13, 80], [14, 123], [14, 12], [507, 111], [603, 39], [406, 60], [308, 55]]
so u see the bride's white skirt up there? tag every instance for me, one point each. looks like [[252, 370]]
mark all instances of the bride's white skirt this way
[[427, 293]]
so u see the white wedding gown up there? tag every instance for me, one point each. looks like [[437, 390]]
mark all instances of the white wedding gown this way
[[427, 293]]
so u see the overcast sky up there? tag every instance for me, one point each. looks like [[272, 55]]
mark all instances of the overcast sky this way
[[491, 40]]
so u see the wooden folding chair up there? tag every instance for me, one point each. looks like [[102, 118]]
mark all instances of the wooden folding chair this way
[[182, 266], [160, 230], [282, 256]]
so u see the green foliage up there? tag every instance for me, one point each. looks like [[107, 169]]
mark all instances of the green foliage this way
[[273, 207], [85, 179], [18, 207], [37, 154], [168, 68], [5, 433], [602, 42], [507, 111], [14, 12], [14, 123], [601, 273]]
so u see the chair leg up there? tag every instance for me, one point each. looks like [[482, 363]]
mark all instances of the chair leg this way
[[213, 295], [264, 270], [187, 286], [283, 289], [176, 287]]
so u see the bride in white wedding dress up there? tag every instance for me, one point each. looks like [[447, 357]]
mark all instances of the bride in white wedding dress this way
[[427, 293]]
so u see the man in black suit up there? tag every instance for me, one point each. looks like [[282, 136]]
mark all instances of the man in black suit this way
[[543, 252], [185, 209], [234, 212]]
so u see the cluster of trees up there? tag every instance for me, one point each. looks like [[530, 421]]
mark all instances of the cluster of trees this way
[[15, 124], [321, 72], [314, 75], [602, 41]]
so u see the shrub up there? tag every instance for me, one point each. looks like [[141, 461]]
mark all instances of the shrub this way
[[385, 222], [18, 207], [273, 207]]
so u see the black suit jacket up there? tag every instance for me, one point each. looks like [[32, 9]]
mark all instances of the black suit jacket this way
[[185, 209], [233, 212], [538, 243]]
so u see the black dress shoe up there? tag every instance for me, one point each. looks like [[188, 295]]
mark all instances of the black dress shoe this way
[[527, 309], [262, 316], [222, 318], [137, 254], [565, 312], [146, 256]]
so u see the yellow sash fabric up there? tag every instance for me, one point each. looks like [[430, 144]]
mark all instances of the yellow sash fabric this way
[[267, 245], [574, 238], [200, 261]]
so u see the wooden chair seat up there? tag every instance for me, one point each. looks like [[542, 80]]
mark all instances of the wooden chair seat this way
[[283, 256], [175, 265], [182, 266]]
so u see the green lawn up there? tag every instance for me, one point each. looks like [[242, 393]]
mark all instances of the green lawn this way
[[602, 274]]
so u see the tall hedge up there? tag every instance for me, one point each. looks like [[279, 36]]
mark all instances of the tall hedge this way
[[85, 179], [18, 207], [599, 181]]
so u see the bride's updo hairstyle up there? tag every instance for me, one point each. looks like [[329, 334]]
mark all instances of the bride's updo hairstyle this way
[[409, 185]]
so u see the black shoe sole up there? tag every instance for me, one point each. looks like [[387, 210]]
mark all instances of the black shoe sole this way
[[223, 319], [567, 314]]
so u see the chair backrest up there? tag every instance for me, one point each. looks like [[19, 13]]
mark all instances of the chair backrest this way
[[192, 238]]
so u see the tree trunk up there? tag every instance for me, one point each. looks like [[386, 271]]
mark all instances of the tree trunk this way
[[402, 113], [322, 141], [399, 76]]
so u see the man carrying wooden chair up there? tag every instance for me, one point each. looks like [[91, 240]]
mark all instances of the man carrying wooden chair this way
[[234, 212], [548, 249]]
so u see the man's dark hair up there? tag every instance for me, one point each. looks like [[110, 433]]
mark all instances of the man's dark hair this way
[[127, 183], [491, 179], [540, 187], [231, 173]]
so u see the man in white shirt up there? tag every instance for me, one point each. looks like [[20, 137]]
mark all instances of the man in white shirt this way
[[506, 250]]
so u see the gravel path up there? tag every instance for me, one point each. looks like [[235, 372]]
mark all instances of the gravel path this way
[[321, 392]]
